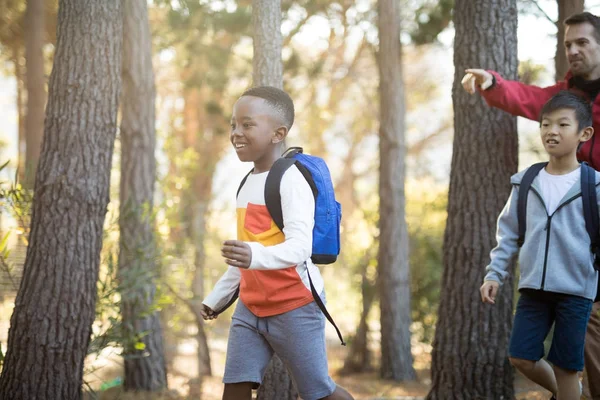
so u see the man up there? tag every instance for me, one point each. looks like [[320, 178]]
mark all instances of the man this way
[[582, 46]]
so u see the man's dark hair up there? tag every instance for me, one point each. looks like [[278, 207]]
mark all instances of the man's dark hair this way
[[586, 17], [570, 101], [276, 98]]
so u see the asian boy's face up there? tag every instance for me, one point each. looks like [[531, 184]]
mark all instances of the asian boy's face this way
[[560, 133], [255, 130]]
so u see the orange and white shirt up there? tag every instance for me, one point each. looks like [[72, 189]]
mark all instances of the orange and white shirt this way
[[277, 280]]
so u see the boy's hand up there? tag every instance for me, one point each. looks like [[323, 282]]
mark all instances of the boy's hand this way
[[207, 313], [476, 78], [488, 291], [237, 253]]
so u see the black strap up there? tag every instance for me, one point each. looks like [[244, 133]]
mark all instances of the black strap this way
[[242, 182], [323, 308], [524, 187], [272, 193], [590, 210]]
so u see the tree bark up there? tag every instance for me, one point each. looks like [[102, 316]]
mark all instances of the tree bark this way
[[36, 87], [20, 78], [393, 259], [267, 40], [469, 358], [55, 307], [566, 8], [268, 70], [277, 383], [145, 368], [359, 356]]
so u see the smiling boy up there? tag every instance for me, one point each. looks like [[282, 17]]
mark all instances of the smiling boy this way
[[276, 312], [558, 281]]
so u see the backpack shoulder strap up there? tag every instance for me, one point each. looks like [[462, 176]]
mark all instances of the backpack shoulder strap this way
[[590, 210], [524, 187], [242, 182], [272, 185]]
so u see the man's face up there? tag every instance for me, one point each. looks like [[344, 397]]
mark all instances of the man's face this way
[[560, 132], [583, 51]]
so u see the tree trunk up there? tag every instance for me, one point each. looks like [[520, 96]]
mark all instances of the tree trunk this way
[[277, 383], [20, 78], [469, 357], [55, 307], [359, 356], [566, 8], [36, 87], [145, 368], [393, 260], [266, 62], [268, 70]]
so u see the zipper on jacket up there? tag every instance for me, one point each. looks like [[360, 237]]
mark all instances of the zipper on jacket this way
[[547, 248], [547, 229]]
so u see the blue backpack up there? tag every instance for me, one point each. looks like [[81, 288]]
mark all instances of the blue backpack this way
[[328, 212], [590, 209]]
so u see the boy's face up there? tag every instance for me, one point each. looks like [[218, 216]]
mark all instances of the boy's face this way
[[560, 133], [255, 129]]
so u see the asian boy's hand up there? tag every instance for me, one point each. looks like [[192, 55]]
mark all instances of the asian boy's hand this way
[[237, 253], [475, 78], [488, 291], [207, 313]]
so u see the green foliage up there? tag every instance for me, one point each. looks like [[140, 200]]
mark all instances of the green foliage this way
[[431, 18], [426, 219]]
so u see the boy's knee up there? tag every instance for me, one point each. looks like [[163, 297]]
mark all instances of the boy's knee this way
[[522, 364], [558, 371]]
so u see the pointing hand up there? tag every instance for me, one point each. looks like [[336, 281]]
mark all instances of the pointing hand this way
[[475, 78]]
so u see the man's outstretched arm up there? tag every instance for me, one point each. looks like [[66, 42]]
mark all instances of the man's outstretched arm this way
[[513, 97]]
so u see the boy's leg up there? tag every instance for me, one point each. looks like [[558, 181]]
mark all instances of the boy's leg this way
[[238, 391], [533, 319], [568, 384], [592, 353], [339, 394], [539, 372], [298, 337], [248, 354], [566, 352]]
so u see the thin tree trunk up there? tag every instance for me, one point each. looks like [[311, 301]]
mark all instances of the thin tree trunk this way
[[145, 369], [469, 358], [20, 77], [393, 265], [268, 70], [36, 86], [267, 40], [566, 8], [55, 307], [359, 356]]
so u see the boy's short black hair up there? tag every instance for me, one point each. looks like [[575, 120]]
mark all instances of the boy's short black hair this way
[[570, 101], [585, 17], [276, 98]]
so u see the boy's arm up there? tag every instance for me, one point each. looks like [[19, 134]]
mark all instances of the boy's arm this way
[[298, 209], [224, 289], [507, 236]]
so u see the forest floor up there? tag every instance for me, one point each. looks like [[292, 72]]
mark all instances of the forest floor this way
[[363, 386]]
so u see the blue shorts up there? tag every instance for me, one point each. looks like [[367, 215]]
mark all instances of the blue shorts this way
[[536, 312], [297, 337]]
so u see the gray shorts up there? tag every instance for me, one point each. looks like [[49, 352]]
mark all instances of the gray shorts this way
[[297, 337]]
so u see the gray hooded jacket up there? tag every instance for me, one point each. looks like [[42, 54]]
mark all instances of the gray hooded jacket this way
[[556, 255]]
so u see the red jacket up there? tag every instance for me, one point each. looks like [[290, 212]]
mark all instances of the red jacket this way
[[527, 101]]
